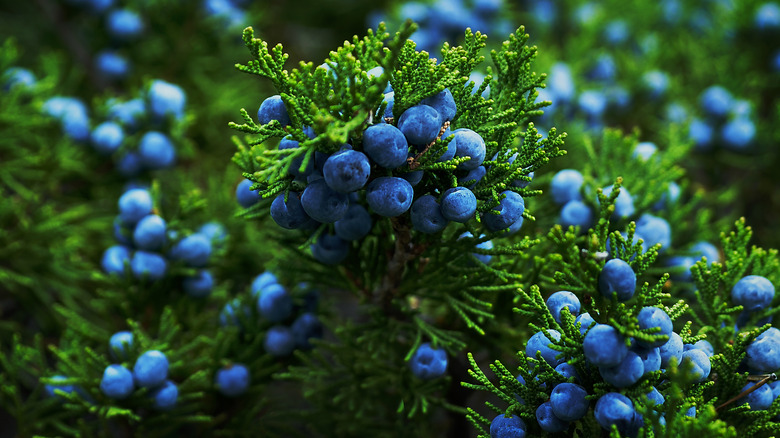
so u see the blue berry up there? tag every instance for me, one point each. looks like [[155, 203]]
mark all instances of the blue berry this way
[[111, 65], [458, 204], [547, 419], [557, 301], [716, 101], [18, 77], [232, 380], [420, 124], [604, 69], [295, 165], [738, 133], [644, 150], [704, 346], [151, 369], [651, 318], [651, 358], [701, 133], [510, 209], [149, 233], [194, 250], [124, 24], [127, 113], [541, 342], [274, 303], [626, 373], [443, 103], [148, 265], [50, 388], [593, 103], [129, 165], [768, 16], [673, 348], [120, 344], [215, 232], [279, 341], [305, 327], [114, 259], [262, 281], [676, 113], [560, 82], [488, 245], [245, 196], [585, 321], [567, 370], [617, 276], [753, 292], [576, 214], [386, 145], [273, 108], [473, 177], [452, 147], [670, 196], [624, 204], [763, 354], [289, 215], [107, 137], [346, 171], [156, 150], [198, 285], [616, 32], [426, 215], [134, 205], [614, 409], [324, 204], [166, 99], [708, 250], [165, 396], [507, 427], [355, 225], [469, 144], [228, 315], [565, 186], [760, 399], [117, 382], [604, 346], [568, 401], [428, 362], [330, 249], [389, 196], [701, 364], [656, 83]]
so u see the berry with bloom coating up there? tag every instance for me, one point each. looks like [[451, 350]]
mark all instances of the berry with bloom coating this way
[[165, 396], [760, 399], [49, 388], [617, 276], [701, 364], [114, 259], [470, 144], [753, 292], [150, 233], [305, 327], [604, 346], [273, 108], [443, 103], [346, 171], [279, 341], [18, 77], [547, 419], [245, 195], [738, 133], [567, 370], [166, 99], [198, 285], [428, 362], [120, 344], [389, 196], [289, 215], [654, 230], [124, 24], [507, 427], [510, 209], [151, 369], [716, 101], [117, 382], [565, 186], [654, 317], [420, 124], [488, 244], [644, 150], [134, 205], [626, 373], [274, 303], [194, 250], [107, 137], [540, 342], [330, 249], [673, 348], [651, 358], [232, 380], [386, 145], [156, 150], [148, 265], [323, 203], [576, 214], [568, 401], [763, 354], [557, 301], [624, 203], [426, 215], [458, 204], [613, 408], [111, 65], [585, 321]]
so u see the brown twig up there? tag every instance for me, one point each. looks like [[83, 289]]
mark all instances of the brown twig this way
[[413, 162], [762, 380]]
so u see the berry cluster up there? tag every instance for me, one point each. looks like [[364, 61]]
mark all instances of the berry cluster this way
[[428, 362], [227, 13], [376, 174], [727, 121], [274, 304], [147, 245]]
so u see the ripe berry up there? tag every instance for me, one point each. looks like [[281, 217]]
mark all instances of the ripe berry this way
[[107, 137], [651, 358], [443, 103], [330, 249], [624, 203], [386, 145], [510, 209], [273, 108], [568, 401], [114, 259], [232, 380], [576, 214], [701, 364], [565, 186], [166, 99], [763, 354], [626, 373], [165, 396], [322, 203], [557, 301], [117, 382], [149, 233], [274, 303], [420, 124], [279, 341], [289, 215], [156, 150], [426, 215], [128, 113], [148, 265], [50, 388], [673, 348], [228, 316], [124, 24], [346, 171], [134, 205], [507, 427], [753, 292], [120, 344], [617, 276], [738, 133], [567, 370], [295, 166], [111, 65], [17, 77], [644, 150], [547, 419], [585, 321], [701, 133], [198, 285], [458, 204], [194, 250], [654, 317], [654, 230], [129, 164], [246, 197], [305, 327], [151, 369], [470, 144], [613, 408], [604, 346], [389, 196], [541, 343], [355, 225], [428, 362], [760, 399]]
